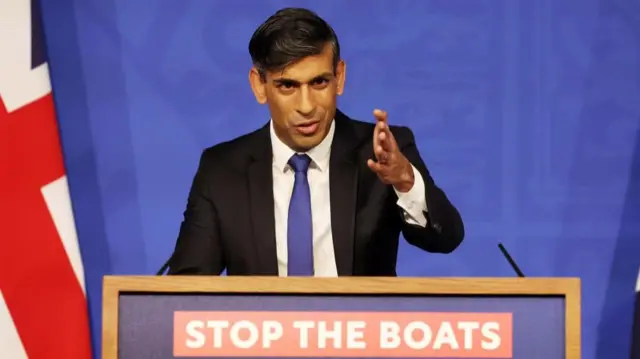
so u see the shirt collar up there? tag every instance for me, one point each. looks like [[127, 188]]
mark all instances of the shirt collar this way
[[319, 155]]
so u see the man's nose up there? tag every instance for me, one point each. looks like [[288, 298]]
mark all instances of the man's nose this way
[[306, 104]]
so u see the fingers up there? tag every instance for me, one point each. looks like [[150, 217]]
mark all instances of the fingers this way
[[381, 116], [381, 155], [382, 134], [384, 137], [374, 166], [384, 144], [376, 135]]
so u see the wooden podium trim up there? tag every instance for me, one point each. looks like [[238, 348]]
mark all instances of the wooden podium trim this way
[[569, 288]]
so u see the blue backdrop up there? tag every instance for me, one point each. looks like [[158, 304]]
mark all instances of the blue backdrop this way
[[526, 113]]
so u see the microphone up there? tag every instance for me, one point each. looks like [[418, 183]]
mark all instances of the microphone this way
[[510, 260], [165, 266]]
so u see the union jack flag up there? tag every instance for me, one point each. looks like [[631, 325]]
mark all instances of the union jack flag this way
[[43, 308]]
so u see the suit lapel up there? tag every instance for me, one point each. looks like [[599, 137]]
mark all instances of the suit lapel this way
[[343, 181], [261, 202]]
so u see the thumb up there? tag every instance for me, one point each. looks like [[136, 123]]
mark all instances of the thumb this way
[[374, 166]]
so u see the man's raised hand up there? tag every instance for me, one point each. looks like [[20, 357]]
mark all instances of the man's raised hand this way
[[391, 166]]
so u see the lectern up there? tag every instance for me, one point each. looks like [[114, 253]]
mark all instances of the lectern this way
[[166, 317]]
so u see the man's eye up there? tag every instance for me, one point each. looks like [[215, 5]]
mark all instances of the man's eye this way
[[286, 85]]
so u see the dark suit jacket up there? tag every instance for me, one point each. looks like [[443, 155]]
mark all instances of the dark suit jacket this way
[[229, 219]]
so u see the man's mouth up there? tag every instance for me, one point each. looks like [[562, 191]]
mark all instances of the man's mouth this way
[[308, 128]]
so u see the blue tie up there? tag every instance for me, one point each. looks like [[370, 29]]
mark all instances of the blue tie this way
[[299, 228]]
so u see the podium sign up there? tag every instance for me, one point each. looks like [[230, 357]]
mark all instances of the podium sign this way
[[347, 317]]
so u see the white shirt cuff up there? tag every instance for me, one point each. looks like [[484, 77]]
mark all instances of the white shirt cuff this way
[[414, 202]]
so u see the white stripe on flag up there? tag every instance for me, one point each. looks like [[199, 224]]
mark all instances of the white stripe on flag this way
[[20, 84], [56, 195], [10, 344]]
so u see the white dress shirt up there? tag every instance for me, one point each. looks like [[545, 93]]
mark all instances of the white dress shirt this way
[[413, 202]]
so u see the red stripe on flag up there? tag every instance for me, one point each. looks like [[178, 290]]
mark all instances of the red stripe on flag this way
[[38, 283]]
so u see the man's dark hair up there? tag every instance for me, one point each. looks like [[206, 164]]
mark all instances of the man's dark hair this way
[[288, 36]]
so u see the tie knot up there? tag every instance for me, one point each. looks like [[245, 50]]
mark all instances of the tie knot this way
[[300, 163]]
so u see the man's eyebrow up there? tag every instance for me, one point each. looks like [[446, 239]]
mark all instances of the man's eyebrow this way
[[284, 80]]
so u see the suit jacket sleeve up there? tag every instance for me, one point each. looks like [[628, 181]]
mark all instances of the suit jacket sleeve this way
[[198, 249], [444, 230]]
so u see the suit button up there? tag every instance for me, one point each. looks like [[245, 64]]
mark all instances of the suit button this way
[[437, 227]]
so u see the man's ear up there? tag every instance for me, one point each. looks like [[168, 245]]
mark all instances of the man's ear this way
[[341, 74], [258, 86]]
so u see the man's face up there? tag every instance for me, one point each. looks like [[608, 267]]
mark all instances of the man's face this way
[[302, 98]]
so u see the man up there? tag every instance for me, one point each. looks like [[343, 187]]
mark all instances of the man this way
[[312, 192]]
